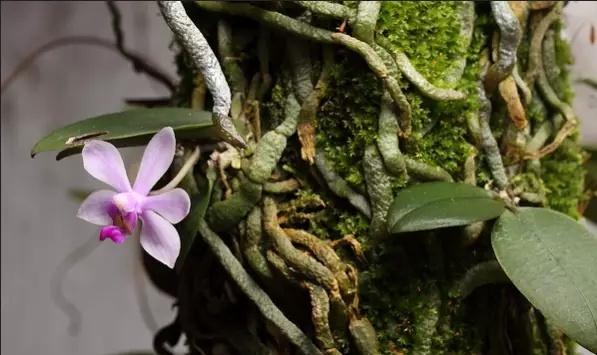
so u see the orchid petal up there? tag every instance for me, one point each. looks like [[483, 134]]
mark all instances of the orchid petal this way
[[103, 161], [156, 160], [159, 238], [173, 205], [96, 208]]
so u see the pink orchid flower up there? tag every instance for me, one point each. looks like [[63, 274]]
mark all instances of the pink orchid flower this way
[[118, 211]]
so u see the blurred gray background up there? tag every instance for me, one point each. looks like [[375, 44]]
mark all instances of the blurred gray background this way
[[39, 227]]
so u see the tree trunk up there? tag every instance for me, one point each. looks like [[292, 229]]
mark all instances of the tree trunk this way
[[381, 98]]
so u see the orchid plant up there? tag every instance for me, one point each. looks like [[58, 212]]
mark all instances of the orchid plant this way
[[322, 165], [119, 211]]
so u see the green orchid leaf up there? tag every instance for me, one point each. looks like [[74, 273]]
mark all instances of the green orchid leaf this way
[[127, 128], [190, 226], [441, 204], [552, 260]]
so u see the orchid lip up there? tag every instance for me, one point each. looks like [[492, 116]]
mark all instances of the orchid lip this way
[[112, 232]]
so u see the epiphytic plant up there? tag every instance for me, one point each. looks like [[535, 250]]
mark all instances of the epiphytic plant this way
[[374, 178]]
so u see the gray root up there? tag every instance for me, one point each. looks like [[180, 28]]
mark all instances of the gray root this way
[[489, 144], [487, 140], [379, 188], [299, 56], [466, 15], [364, 25], [328, 8], [387, 138], [339, 186], [252, 290], [510, 35], [205, 60], [411, 73], [424, 171]]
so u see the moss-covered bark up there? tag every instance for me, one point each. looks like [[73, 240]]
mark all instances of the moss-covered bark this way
[[348, 274]]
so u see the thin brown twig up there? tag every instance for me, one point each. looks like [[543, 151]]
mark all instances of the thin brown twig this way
[[76, 40], [139, 64]]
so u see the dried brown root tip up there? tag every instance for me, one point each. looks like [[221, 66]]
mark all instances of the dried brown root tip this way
[[320, 308], [352, 242], [514, 105], [327, 256], [300, 262], [255, 119], [306, 134], [562, 134]]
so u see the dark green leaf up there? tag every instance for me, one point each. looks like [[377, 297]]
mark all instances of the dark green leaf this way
[[552, 260], [441, 204], [189, 227], [127, 128]]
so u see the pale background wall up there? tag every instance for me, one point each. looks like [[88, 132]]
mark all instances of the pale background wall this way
[[38, 224]]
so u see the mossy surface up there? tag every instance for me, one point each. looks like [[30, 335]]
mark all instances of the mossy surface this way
[[347, 118], [428, 32], [564, 176]]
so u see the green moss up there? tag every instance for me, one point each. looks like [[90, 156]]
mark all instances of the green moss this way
[[564, 175], [388, 299], [536, 111], [564, 60], [399, 296], [347, 118], [562, 171], [529, 182], [428, 32], [444, 135], [273, 109]]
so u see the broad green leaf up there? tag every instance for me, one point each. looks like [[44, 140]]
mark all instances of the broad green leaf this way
[[552, 260], [441, 204], [126, 128], [190, 226]]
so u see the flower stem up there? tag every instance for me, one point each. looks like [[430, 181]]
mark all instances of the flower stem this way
[[186, 167]]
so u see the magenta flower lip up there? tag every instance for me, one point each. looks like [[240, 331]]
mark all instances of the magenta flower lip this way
[[119, 211]]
